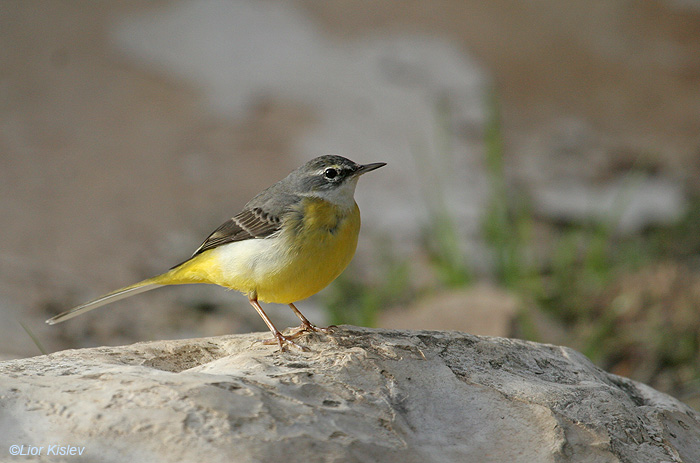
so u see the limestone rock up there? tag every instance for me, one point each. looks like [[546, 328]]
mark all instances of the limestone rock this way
[[358, 395]]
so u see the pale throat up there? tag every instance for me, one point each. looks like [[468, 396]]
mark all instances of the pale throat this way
[[343, 196]]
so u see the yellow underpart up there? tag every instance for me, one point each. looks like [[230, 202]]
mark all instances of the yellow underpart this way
[[314, 246]]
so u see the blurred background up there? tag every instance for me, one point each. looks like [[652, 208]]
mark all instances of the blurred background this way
[[542, 179]]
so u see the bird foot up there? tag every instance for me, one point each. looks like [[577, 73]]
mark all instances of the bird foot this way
[[306, 327], [284, 342]]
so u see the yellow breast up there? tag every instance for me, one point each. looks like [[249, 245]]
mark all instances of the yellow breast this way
[[315, 247], [316, 243]]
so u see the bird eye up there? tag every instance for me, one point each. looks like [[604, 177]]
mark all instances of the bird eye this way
[[330, 173]]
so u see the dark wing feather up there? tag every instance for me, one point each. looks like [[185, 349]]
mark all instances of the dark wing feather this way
[[260, 218], [249, 223]]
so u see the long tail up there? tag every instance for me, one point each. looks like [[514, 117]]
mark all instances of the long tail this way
[[140, 287], [199, 269]]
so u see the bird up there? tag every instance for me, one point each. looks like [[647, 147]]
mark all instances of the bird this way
[[288, 243]]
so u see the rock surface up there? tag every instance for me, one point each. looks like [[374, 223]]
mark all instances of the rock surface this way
[[357, 395]]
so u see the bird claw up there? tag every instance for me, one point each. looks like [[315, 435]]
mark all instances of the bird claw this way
[[284, 342], [307, 327]]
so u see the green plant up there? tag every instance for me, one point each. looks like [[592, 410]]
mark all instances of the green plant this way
[[508, 223], [442, 238], [36, 341]]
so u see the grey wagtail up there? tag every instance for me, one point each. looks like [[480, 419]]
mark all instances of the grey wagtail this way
[[288, 243]]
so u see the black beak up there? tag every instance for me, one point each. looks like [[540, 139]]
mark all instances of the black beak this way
[[369, 167]]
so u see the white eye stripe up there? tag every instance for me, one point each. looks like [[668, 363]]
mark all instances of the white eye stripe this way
[[322, 171]]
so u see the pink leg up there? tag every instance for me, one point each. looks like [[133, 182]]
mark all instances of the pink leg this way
[[306, 325], [278, 337]]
